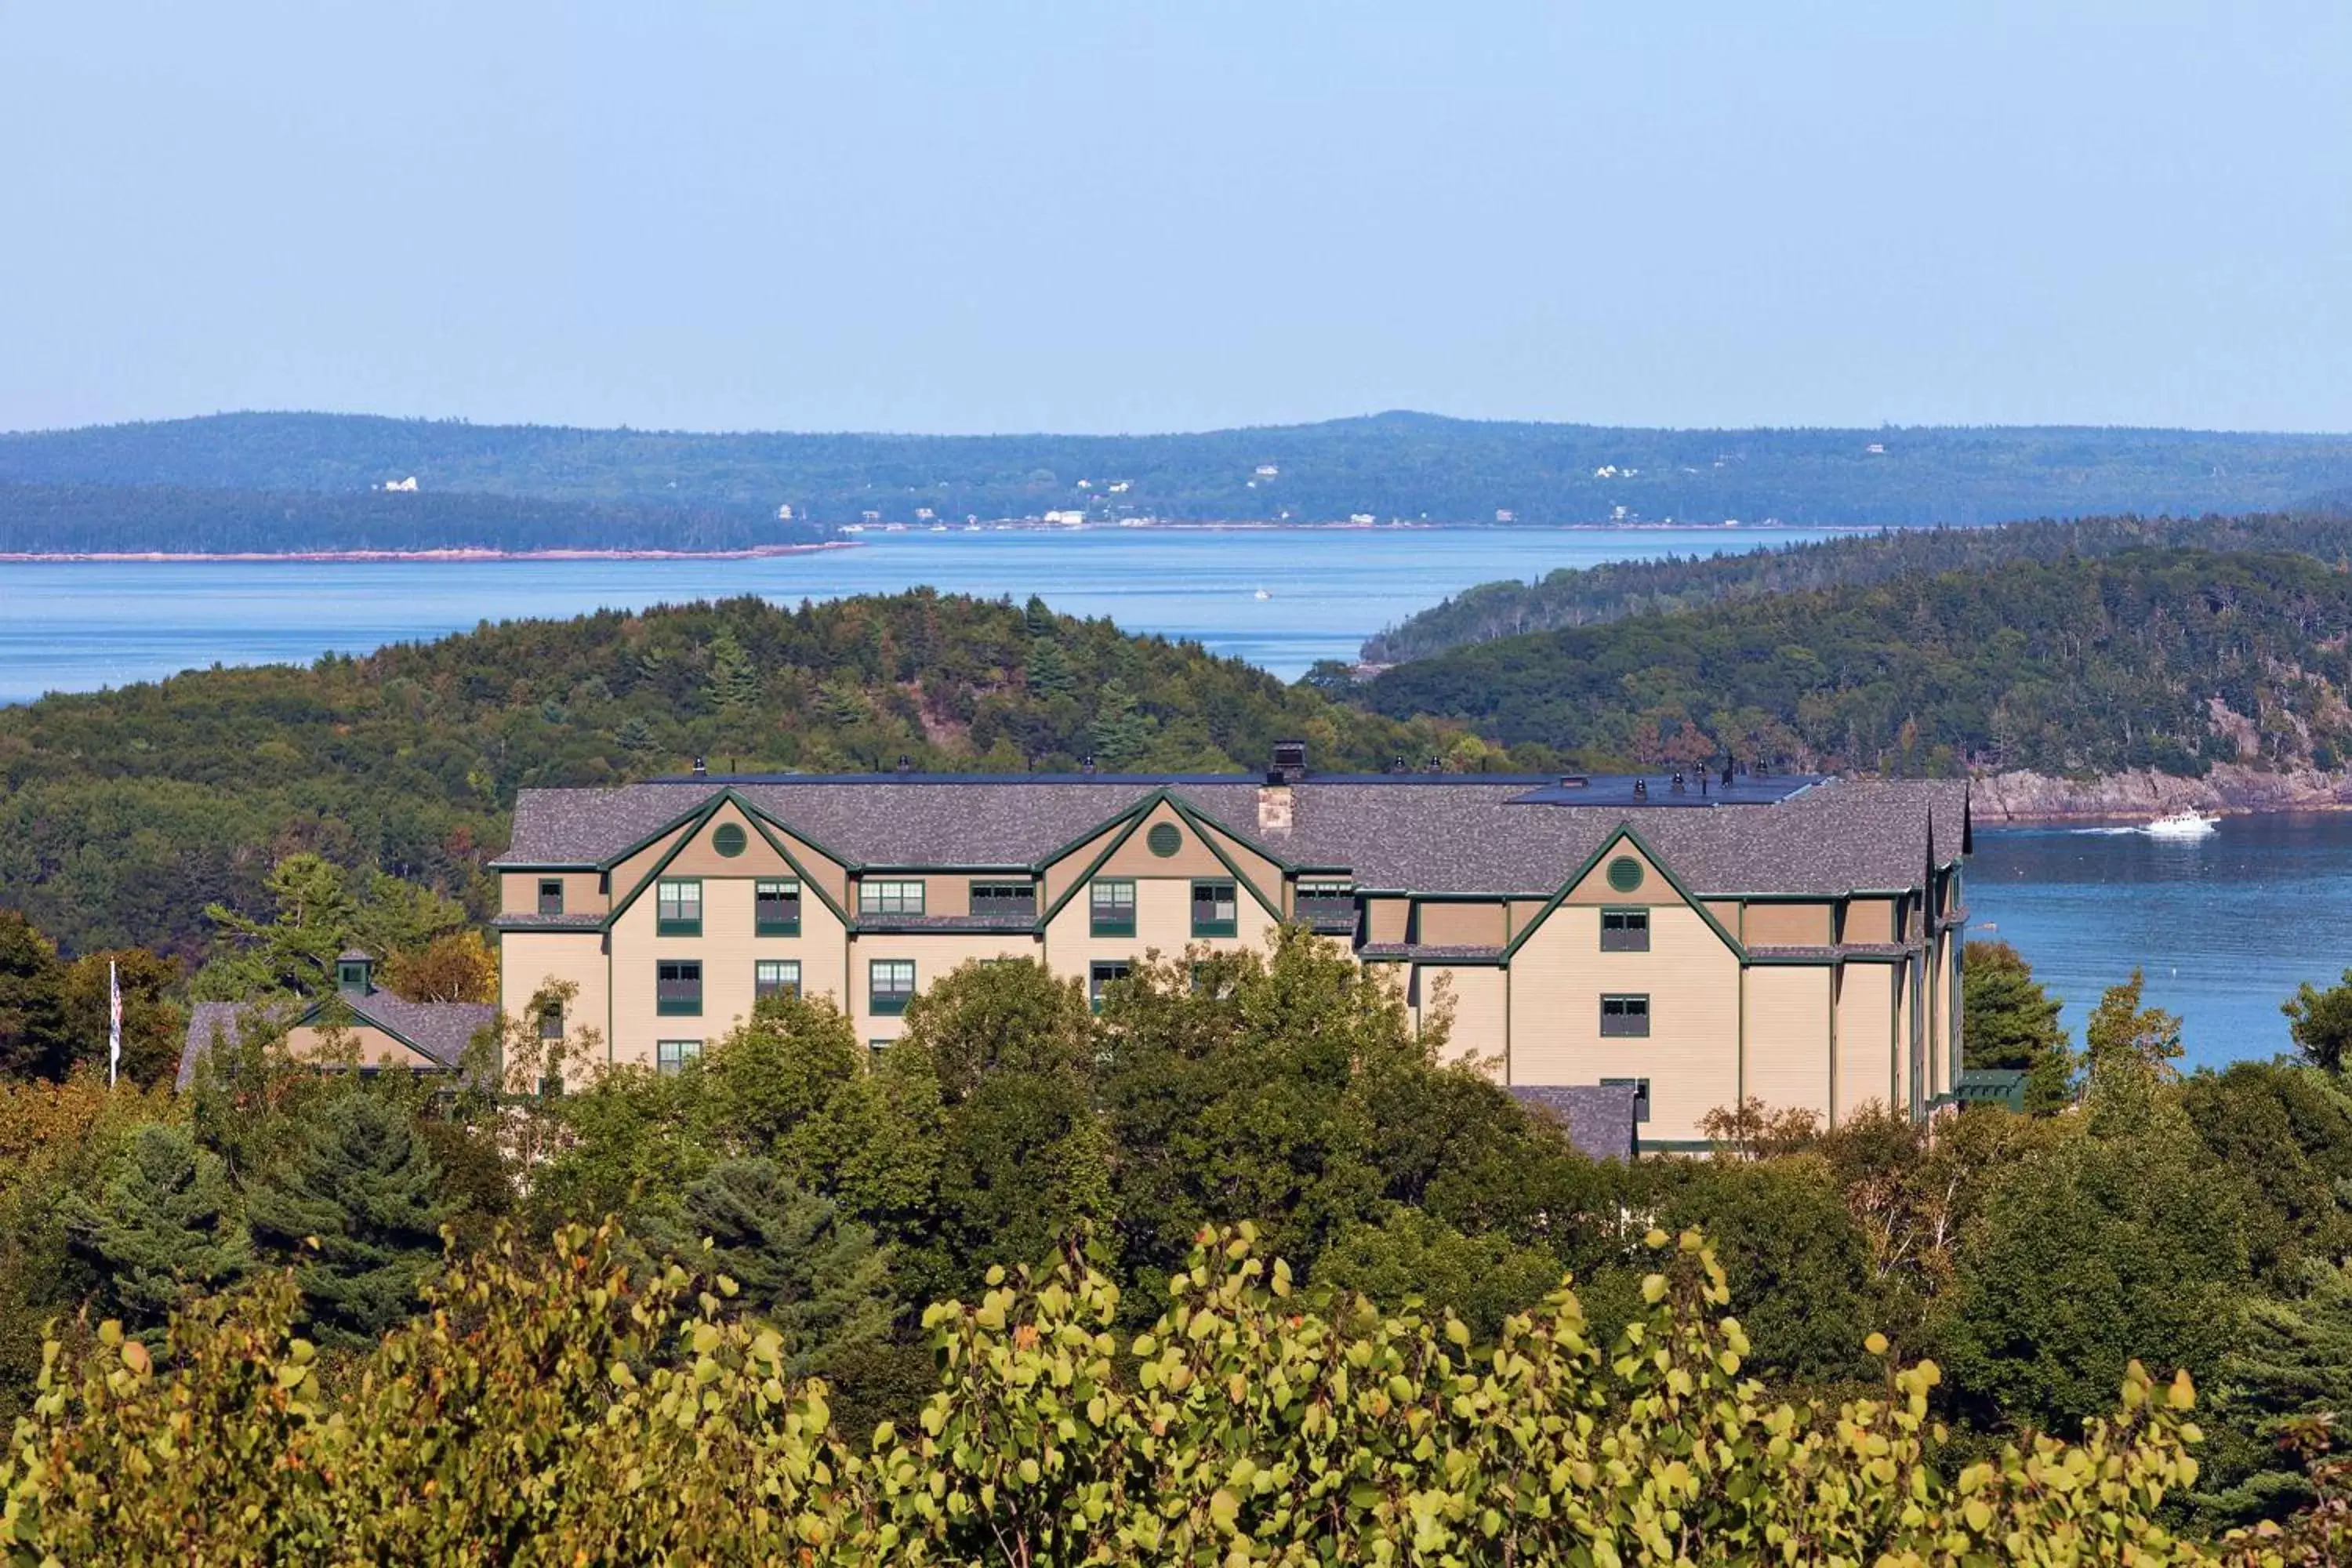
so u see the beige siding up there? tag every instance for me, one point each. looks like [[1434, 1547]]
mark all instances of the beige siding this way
[[628, 873], [1386, 920], [1789, 1036], [1865, 1051], [1869, 920], [1787, 925], [698, 858], [1450, 924], [530, 960], [934, 956], [1065, 873], [519, 891], [1163, 924], [1692, 1054], [1727, 914], [1478, 996], [1595, 888], [1253, 867], [371, 1046], [728, 949], [1524, 913]]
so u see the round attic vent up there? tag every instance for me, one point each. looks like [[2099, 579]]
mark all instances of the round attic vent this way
[[1624, 873], [728, 839], [1163, 840]]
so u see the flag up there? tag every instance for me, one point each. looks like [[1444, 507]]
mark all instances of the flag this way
[[113, 1024]]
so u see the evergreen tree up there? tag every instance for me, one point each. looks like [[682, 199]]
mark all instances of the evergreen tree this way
[[163, 1230], [35, 1040], [822, 1281], [2008, 1021], [634, 736], [1121, 732], [2293, 1359], [356, 1205], [734, 686]]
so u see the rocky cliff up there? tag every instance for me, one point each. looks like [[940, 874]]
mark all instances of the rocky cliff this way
[[2231, 786]]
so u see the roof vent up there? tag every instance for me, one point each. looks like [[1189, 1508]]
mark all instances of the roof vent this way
[[906, 764], [1396, 764], [702, 768], [1727, 775], [1087, 763], [1677, 784], [1641, 789], [1289, 762], [1573, 781]]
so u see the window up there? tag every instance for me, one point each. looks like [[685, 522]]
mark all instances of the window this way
[[1624, 930], [677, 988], [671, 1055], [1215, 909], [550, 1022], [1322, 902], [1004, 901], [677, 908], [729, 839], [1625, 1016], [775, 977], [776, 908], [1111, 902], [1640, 1094], [1101, 974], [888, 982], [904, 897], [551, 895]]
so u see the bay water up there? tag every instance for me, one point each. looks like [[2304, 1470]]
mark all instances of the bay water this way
[[2224, 927]]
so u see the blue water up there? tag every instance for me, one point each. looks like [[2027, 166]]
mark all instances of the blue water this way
[[79, 625], [2224, 927]]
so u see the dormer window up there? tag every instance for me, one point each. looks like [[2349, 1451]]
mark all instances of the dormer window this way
[[354, 973], [551, 895]]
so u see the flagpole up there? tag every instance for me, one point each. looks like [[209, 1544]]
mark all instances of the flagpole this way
[[113, 1024]]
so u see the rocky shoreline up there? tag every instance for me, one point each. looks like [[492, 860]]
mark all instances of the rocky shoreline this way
[[2144, 794]]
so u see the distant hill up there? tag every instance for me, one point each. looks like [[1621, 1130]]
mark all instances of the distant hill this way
[[1408, 466], [1578, 596], [124, 812], [54, 518], [2169, 659]]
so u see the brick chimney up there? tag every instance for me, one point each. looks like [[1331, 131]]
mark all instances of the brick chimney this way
[[1277, 797]]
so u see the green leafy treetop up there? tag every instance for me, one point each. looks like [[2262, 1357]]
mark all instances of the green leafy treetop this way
[[558, 1409], [2321, 1023], [356, 1205]]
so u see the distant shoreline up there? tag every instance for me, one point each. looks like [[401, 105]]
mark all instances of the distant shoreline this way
[[265, 557]]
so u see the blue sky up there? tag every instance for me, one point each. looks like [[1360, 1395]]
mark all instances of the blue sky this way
[[1107, 216]]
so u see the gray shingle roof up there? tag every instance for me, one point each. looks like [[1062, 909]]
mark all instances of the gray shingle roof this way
[[1408, 833], [442, 1030], [1597, 1117]]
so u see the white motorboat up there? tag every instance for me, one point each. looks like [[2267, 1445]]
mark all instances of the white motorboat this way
[[2181, 824]]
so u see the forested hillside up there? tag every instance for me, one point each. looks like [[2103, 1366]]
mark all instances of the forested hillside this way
[[124, 812], [2167, 660], [51, 520], [1409, 466], [1578, 596]]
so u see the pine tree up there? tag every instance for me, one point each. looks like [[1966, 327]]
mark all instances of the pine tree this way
[[1048, 672], [1121, 732], [356, 1206], [33, 1037], [635, 735], [2293, 1359], [822, 1281], [2011, 1022], [734, 686], [163, 1230]]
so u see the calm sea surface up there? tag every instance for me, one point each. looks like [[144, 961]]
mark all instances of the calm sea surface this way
[[2224, 927], [79, 625]]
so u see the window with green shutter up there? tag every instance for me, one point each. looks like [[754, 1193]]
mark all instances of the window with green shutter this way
[[1111, 904], [677, 907]]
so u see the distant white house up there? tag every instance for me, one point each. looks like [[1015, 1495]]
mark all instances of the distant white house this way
[[1121, 487], [1362, 518], [923, 514], [1268, 471], [1065, 517], [1877, 448], [872, 516], [1505, 514], [408, 484], [784, 512], [1605, 471]]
